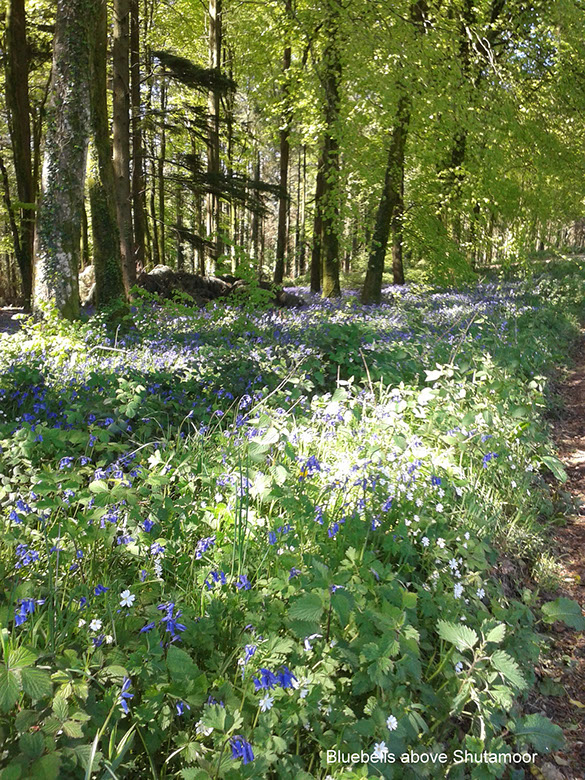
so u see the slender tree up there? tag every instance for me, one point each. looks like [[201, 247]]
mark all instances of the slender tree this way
[[107, 258], [331, 162], [121, 137], [18, 104], [68, 126], [138, 200], [213, 223], [283, 199]]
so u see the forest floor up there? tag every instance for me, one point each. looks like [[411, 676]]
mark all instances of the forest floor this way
[[566, 662], [7, 324]]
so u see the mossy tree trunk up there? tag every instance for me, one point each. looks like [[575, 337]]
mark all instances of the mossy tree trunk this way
[[58, 237], [107, 259]]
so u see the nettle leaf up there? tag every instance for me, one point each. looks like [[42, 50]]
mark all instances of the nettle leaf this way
[[508, 668], [36, 683], [565, 610], [496, 634], [463, 637], [9, 689], [308, 607], [541, 733]]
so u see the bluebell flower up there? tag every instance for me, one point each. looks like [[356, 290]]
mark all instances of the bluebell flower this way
[[147, 627], [266, 680], [241, 748], [285, 677], [272, 538], [148, 525], [99, 589], [203, 545], [14, 517], [124, 695], [243, 583], [65, 462], [180, 705], [294, 572]]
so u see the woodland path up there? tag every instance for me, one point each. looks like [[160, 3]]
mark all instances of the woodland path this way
[[565, 662]]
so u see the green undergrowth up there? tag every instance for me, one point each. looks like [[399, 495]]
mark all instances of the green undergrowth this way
[[234, 540]]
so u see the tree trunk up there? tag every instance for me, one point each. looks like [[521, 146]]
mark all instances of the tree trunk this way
[[390, 210], [179, 206], [18, 104], [59, 224], [316, 248], [213, 221], [331, 192], [139, 211], [107, 258], [302, 241], [162, 158], [255, 212], [283, 200], [121, 134]]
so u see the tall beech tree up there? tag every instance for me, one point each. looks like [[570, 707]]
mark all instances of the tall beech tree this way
[[58, 236], [213, 213]]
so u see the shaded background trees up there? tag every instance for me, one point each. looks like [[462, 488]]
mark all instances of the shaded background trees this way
[[303, 140]]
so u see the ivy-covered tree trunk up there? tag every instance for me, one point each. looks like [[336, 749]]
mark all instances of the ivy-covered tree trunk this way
[[331, 183], [390, 210], [68, 125], [121, 137], [18, 104], [107, 259], [283, 199]]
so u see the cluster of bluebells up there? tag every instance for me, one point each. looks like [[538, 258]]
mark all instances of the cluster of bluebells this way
[[24, 609], [169, 622], [266, 680]]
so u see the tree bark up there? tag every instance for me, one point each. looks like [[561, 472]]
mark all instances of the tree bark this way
[[331, 192], [121, 135], [107, 258], [281, 236], [162, 158], [390, 210], [316, 248], [213, 221], [59, 224], [18, 104], [138, 201]]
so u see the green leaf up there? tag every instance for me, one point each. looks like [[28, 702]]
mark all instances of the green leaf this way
[[73, 729], [497, 634], [47, 767], [20, 658], [508, 668], [463, 637], [308, 607], [565, 610], [541, 733], [36, 683], [9, 689], [342, 606], [555, 465], [180, 664], [32, 745]]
